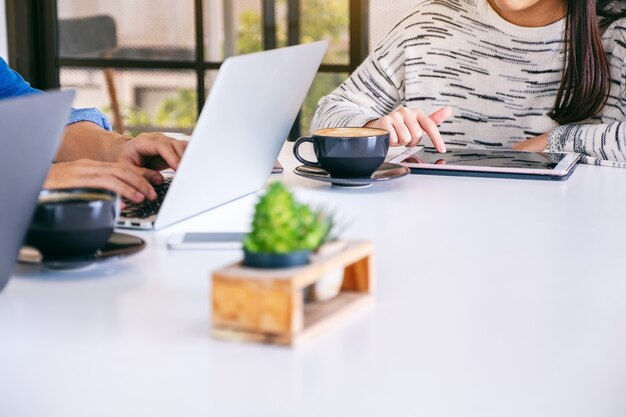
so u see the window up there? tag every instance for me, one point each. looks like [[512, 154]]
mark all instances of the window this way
[[149, 64]]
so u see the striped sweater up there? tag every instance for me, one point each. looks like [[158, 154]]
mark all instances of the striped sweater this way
[[500, 79]]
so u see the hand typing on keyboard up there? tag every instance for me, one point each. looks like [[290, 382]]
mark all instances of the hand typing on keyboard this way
[[131, 182], [152, 150], [91, 156], [147, 208]]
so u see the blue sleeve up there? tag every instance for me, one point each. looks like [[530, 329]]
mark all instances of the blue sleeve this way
[[92, 115], [13, 85]]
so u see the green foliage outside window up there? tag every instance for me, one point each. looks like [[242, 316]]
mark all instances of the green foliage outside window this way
[[179, 111], [321, 19]]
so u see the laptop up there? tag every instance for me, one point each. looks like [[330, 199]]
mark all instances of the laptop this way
[[241, 130], [32, 127]]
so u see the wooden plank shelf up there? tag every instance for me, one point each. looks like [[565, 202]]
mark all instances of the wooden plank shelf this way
[[267, 306]]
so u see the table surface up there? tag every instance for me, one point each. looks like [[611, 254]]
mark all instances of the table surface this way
[[495, 297]]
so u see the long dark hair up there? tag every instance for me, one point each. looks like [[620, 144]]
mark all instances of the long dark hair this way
[[586, 79]]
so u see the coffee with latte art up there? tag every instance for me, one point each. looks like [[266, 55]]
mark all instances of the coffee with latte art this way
[[350, 132]]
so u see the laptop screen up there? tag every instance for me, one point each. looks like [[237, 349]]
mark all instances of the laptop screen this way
[[24, 162]]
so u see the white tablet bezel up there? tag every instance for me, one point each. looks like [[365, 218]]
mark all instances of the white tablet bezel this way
[[562, 169]]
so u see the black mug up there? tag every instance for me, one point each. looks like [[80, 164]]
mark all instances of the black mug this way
[[72, 223], [347, 152]]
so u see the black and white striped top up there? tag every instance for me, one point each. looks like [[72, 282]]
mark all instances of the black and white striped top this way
[[500, 80]]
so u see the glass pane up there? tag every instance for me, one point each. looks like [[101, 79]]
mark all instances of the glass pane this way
[[232, 27], [330, 20], [146, 100], [209, 79], [236, 27], [137, 29], [324, 84]]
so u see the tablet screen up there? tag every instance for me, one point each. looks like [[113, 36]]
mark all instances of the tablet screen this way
[[486, 158]]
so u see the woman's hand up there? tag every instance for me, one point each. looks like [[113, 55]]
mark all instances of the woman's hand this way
[[407, 127], [536, 144], [129, 181]]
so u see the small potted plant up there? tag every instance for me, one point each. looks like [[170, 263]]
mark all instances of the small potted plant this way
[[284, 232]]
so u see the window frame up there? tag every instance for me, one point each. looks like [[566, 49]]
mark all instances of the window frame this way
[[33, 50]]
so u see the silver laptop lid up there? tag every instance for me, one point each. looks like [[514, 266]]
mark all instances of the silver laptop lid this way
[[31, 128], [245, 121]]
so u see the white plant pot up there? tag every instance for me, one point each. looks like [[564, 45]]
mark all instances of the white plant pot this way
[[329, 285]]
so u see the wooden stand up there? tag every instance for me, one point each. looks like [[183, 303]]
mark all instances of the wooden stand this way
[[266, 306]]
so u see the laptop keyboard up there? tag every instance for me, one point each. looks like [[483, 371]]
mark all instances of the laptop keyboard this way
[[147, 208]]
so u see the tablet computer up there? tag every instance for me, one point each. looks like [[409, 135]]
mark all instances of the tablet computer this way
[[489, 163]]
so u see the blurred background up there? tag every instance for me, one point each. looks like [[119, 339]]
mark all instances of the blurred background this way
[[149, 64]]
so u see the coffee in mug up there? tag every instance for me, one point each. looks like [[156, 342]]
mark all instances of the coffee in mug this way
[[347, 152]]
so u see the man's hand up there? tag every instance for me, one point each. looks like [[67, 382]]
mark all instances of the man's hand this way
[[86, 140], [536, 144], [151, 150], [129, 181], [407, 127]]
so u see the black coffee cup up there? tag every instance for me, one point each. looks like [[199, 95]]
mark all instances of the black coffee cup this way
[[347, 152], [72, 223]]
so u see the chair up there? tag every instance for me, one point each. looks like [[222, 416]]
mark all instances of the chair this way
[[93, 37]]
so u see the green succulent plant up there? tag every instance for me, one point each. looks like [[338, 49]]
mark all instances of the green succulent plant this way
[[282, 225]]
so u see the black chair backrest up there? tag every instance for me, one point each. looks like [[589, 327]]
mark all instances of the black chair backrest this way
[[89, 36]]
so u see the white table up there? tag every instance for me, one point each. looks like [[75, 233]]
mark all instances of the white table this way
[[495, 298]]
